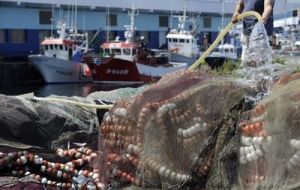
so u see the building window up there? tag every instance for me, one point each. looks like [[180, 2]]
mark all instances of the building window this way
[[111, 20], [207, 22], [295, 13], [2, 36], [163, 21], [18, 36], [45, 17]]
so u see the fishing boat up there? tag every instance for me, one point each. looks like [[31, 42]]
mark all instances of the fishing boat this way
[[182, 43], [222, 53], [129, 61], [288, 41], [61, 60]]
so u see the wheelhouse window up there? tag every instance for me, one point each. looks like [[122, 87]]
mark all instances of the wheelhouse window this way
[[61, 47], [51, 47], [18, 36], [117, 51], [55, 46], [2, 36], [126, 51], [46, 47], [170, 40], [175, 40], [106, 51], [187, 41], [181, 40]]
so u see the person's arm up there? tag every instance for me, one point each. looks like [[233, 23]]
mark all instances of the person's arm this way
[[268, 7], [238, 10]]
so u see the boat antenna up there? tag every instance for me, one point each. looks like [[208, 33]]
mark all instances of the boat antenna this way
[[222, 23], [184, 12], [75, 16], [130, 29], [107, 23], [52, 19], [171, 23], [68, 16], [182, 19]]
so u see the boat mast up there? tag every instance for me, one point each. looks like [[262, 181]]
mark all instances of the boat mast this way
[[171, 23], [75, 16], [130, 29], [222, 25], [182, 19], [108, 24], [184, 13], [52, 19]]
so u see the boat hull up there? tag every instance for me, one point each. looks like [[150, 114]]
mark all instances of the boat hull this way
[[123, 71], [183, 59], [56, 70]]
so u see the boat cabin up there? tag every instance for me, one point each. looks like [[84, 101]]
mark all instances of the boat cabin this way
[[225, 50], [59, 48], [121, 50], [182, 42]]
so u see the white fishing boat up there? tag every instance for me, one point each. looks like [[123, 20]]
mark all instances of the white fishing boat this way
[[61, 60], [220, 54], [182, 43], [288, 41]]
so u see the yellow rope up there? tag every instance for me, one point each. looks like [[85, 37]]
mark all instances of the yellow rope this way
[[88, 105], [221, 36]]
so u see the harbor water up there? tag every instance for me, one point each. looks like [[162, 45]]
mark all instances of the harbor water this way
[[67, 89], [19, 77]]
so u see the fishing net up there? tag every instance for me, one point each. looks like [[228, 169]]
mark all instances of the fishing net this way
[[270, 145], [44, 123], [114, 95], [173, 133]]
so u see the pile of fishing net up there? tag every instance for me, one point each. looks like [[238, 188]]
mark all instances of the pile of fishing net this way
[[269, 153], [193, 131], [44, 123], [173, 134], [34, 131]]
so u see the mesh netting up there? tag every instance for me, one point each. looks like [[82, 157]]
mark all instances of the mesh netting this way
[[115, 95], [168, 135], [44, 123], [270, 149]]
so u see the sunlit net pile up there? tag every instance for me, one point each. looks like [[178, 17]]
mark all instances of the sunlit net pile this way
[[168, 135], [270, 142]]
